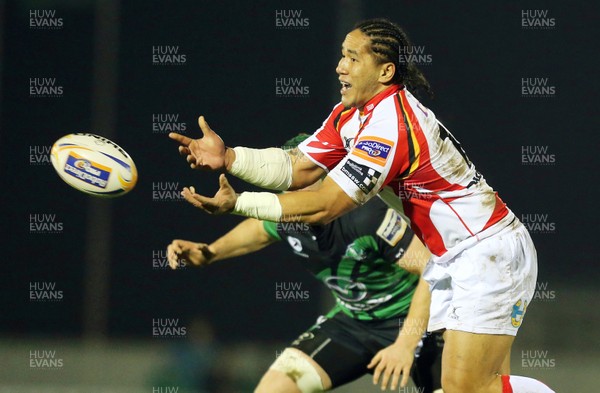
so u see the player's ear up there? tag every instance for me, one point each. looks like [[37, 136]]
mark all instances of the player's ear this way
[[386, 72]]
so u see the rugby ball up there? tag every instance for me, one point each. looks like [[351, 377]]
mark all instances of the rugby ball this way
[[93, 164]]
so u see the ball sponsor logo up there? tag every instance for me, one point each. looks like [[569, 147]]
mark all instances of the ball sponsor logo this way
[[87, 171]]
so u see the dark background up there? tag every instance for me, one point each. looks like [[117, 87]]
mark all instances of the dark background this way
[[234, 54]]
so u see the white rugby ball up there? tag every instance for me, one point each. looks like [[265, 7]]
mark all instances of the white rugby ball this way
[[93, 164]]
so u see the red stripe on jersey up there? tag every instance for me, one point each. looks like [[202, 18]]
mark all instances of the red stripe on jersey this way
[[412, 127], [398, 166], [420, 222], [500, 211]]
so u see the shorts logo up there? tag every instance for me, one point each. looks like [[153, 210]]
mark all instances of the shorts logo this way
[[518, 312], [375, 150], [364, 177], [87, 171], [295, 243], [303, 337]]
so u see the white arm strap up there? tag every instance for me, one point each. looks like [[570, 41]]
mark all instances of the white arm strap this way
[[260, 205], [267, 168]]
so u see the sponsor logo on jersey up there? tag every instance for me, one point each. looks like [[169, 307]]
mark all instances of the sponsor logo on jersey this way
[[87, 171], [373, 149], [363, 176], [346, 289], [392, 228]]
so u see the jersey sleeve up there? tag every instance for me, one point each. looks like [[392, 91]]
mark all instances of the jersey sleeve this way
[[325, 147], [271, 229], [373, 162]]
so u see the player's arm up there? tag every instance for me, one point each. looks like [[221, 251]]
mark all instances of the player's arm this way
[[396, 360], [247, 237], [320, 206], [415, 258], [270, 168]]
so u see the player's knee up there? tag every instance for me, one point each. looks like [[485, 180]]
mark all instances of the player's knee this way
[[291, 369]]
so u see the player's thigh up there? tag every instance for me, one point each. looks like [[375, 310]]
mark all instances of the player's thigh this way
[[472, 361]]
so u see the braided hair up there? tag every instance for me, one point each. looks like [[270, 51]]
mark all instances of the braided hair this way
[[387, 38]]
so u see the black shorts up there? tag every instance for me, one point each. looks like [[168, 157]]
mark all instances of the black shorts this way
[[344, 346]]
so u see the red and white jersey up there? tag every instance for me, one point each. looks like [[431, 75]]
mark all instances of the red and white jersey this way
[[396, 147]]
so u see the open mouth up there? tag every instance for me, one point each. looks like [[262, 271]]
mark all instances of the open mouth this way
[[345, 87]]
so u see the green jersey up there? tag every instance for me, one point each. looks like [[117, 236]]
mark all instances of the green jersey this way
[[356, 256]]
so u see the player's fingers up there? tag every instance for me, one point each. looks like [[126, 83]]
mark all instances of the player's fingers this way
[[374, 361], [377, 373], [184, 140], [385, 377], [191, 159], [172, 257], [395, 378], [175, 246], [405, 375], [184, 150], [206, 130], [189, 196], [223, 182]]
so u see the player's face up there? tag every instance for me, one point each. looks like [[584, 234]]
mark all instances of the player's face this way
[[359, 71]]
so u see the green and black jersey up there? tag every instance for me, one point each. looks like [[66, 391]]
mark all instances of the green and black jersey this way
[[356, 257]]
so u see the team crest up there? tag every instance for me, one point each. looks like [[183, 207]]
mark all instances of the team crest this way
[[518, 312]]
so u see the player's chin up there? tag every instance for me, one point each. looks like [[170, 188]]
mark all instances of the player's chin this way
[[347, 102]]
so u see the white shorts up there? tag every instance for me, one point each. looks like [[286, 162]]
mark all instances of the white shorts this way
[[487, 287]]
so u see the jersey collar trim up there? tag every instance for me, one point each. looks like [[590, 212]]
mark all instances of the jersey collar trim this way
[[373, 102]]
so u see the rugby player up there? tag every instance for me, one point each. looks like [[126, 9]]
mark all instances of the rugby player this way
[[381, 140], [365, 258]]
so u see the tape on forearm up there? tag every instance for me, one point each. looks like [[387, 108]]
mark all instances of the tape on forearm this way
[[268, 168], [260, 205]]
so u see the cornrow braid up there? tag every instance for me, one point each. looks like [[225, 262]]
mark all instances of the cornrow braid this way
[[386, 40]]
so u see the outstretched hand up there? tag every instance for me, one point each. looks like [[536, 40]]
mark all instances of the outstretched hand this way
[[392, 362], [208, 152], [223, 202], [180, 252]]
